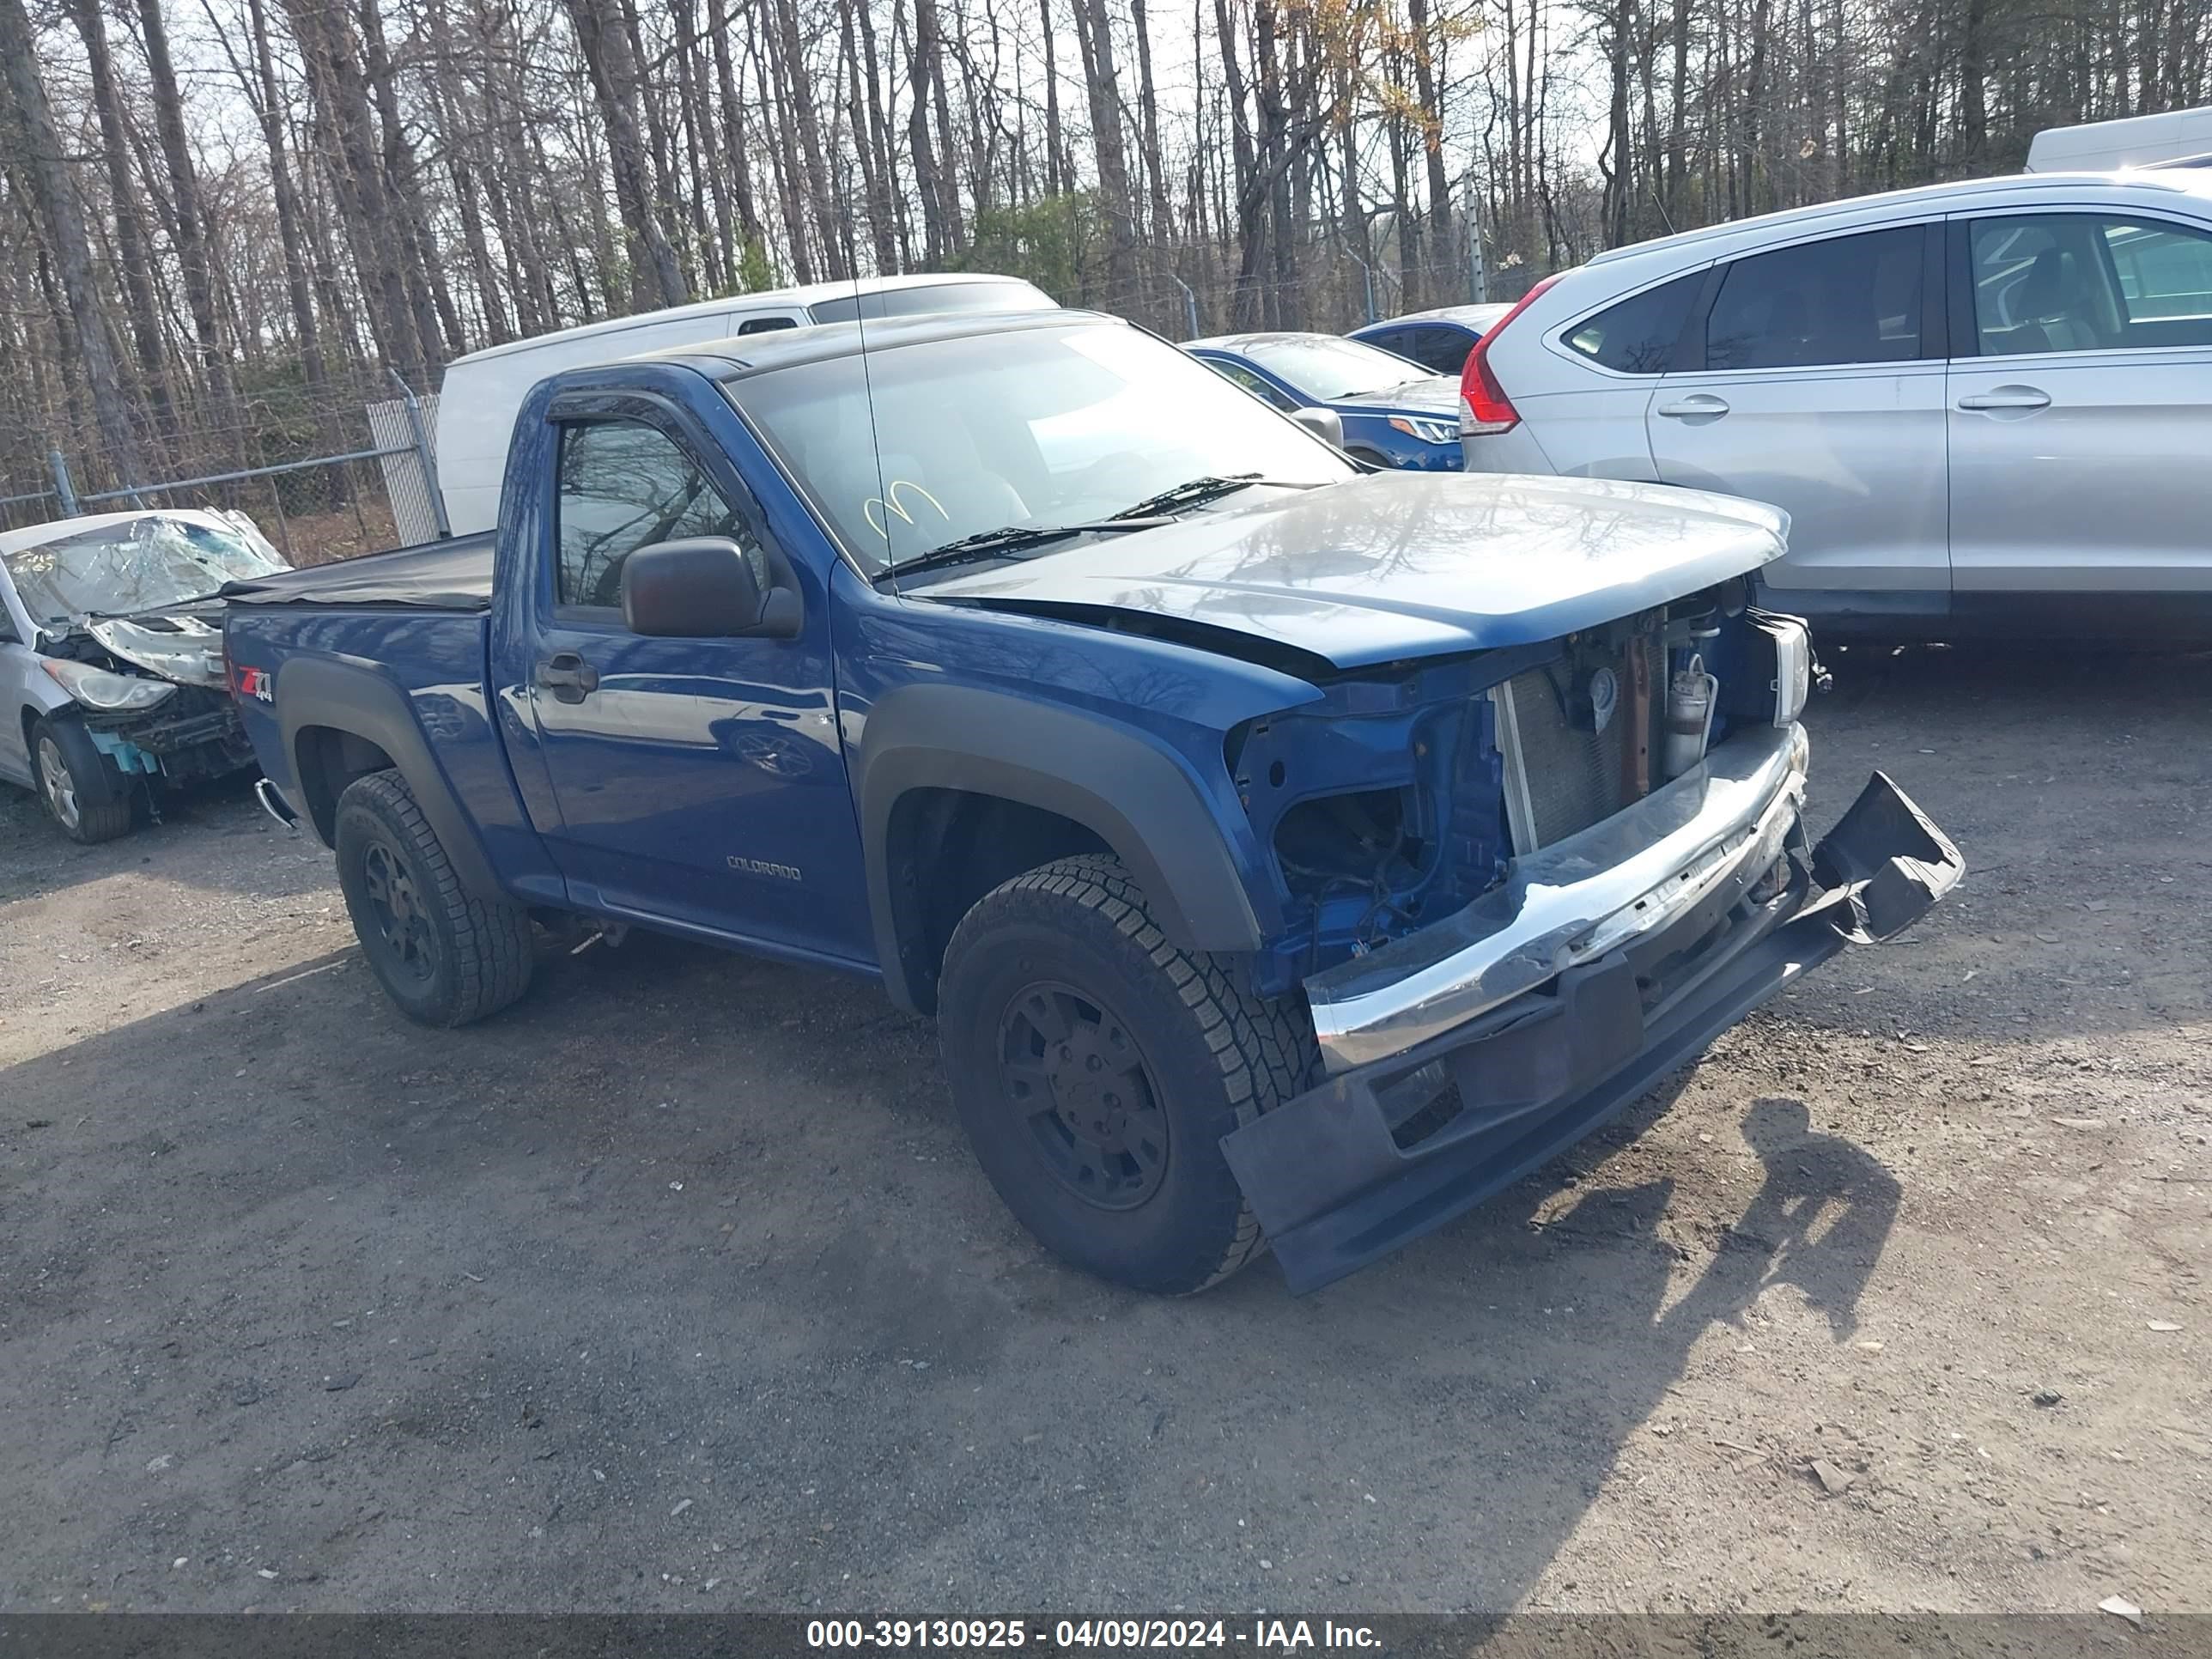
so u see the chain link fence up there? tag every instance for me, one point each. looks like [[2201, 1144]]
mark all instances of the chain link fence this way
[[325, 476]]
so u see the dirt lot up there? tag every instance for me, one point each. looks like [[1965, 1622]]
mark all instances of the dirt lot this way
[[675, 1287]]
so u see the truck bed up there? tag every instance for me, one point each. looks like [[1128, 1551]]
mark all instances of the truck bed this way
[[452, 574]]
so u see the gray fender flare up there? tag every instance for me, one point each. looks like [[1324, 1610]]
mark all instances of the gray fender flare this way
[[1132, 795], [315, 691]]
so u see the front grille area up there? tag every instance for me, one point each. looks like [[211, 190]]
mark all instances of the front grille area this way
[[1561, 774]]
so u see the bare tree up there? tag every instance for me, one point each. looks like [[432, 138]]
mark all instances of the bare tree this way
[[63, 225]]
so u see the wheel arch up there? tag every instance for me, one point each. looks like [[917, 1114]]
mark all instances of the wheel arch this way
[[338, 723], [988, 778]]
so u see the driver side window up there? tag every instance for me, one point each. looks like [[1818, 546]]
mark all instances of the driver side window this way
[[624, 485], [1237, 374]]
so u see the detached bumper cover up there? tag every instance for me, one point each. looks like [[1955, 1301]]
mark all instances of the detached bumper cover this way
[[1406, 1135]]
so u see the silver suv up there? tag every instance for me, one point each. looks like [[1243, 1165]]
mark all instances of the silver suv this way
[[1984, 405]]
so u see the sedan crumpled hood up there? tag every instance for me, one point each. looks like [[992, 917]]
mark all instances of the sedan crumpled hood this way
[[1393, 565], [181, 646]]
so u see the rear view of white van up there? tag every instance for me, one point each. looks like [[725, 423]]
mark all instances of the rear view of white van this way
[[481, 392]]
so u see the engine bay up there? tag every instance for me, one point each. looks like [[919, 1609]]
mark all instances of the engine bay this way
[[1399, 798]]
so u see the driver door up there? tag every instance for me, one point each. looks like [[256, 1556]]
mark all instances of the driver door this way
[[699, 782]]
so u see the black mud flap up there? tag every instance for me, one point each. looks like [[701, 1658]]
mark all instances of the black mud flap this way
[[1889, 859]]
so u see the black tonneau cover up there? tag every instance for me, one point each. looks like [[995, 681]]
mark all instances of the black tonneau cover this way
[[453, 574]]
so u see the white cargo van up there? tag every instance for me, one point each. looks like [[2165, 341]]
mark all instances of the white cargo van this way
[[2138, 141], [481, 392]]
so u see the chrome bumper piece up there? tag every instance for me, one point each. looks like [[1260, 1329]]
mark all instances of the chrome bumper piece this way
[[1571, 903], [273, 802]]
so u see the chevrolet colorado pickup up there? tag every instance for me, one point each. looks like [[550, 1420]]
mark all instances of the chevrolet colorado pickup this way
[[1292, 855]]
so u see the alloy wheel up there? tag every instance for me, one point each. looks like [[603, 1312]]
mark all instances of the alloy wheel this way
[[57, 785]]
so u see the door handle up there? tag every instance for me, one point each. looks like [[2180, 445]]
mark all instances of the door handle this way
[[567, 677], [2007, 397], [1697, 404]]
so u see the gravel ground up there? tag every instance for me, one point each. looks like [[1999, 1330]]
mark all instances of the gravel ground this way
[[675, 1287]]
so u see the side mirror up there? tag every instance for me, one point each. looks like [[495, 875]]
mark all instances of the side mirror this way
[[702, 588], [1324, 424]]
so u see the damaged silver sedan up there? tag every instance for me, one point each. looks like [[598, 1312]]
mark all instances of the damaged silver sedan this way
[[110, 659]]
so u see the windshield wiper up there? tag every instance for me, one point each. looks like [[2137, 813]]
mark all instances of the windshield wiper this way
[[1196, 492], [1010, 538]]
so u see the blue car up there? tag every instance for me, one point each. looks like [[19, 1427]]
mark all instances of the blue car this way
[[1395, 412], [1437, 340]]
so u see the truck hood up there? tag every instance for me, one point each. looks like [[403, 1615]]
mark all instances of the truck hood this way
[[1393, 565]]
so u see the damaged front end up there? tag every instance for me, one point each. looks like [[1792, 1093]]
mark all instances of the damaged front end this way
[[1533, 907], [151, 693]]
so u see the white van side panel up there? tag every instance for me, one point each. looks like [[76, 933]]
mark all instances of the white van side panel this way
[[481, 397]]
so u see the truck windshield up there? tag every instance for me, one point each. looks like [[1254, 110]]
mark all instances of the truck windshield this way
[[141, 564], [1044, 427]]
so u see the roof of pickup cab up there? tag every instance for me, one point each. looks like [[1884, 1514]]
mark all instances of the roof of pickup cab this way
[[759, 354]]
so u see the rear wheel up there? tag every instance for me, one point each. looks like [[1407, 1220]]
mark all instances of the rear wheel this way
[[86, 800], [1096, 1067], [446, 958]]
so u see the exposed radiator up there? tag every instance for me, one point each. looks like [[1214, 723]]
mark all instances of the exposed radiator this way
[[1561, 776]]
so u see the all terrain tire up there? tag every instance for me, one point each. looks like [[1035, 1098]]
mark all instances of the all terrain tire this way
[[1097, 1067], [446, 957]]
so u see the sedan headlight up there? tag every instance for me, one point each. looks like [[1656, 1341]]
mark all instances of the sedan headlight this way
[[111, 694], [1429, 432]]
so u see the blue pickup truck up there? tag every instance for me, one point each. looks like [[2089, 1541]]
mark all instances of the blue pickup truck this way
[[1291, 855]]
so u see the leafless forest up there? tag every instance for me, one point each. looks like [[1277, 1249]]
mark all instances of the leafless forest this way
[[224, 222]]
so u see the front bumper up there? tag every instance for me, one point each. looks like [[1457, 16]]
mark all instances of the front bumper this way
[[1463, 1057], [193, 736]]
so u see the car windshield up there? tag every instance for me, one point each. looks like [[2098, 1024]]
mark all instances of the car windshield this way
[[137, 565], [1323, 366], [1036, 426]]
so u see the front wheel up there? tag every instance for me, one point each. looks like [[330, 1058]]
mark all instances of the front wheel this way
[[1096, 1067], [87, 802], [446, 958]]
